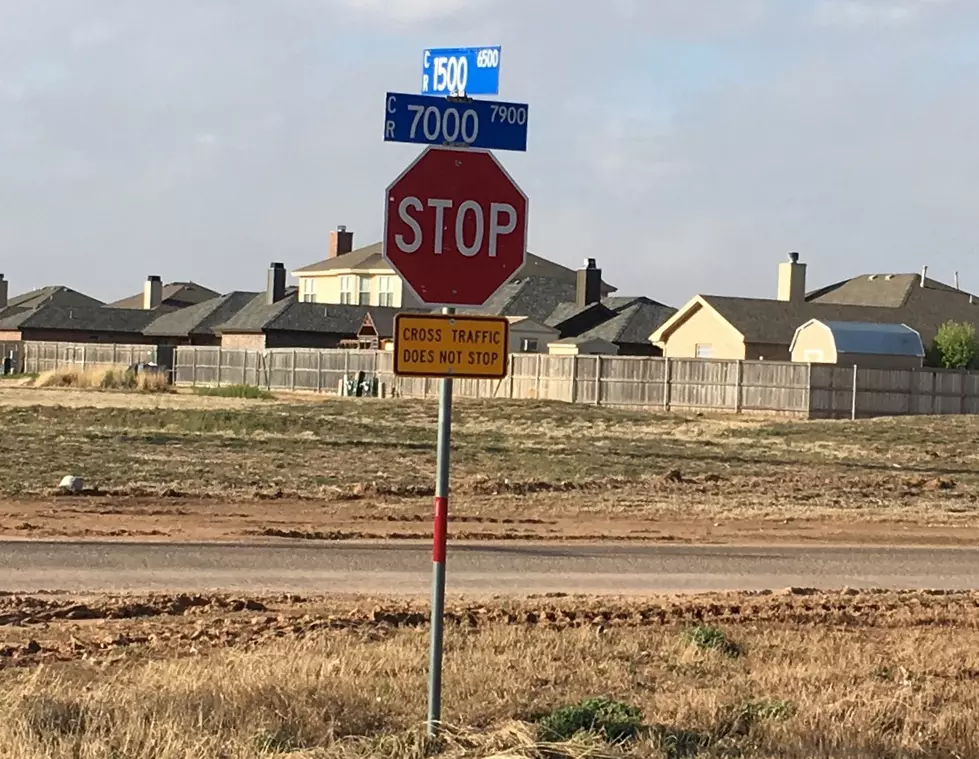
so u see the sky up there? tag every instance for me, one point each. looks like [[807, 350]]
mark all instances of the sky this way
[[687, 145]]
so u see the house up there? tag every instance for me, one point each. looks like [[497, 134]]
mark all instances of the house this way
[[863, 344], [277, 319], [529, 336], [712, 326], [17, 310], [198, 324], [363, 277], [171, 297], [77, 324]]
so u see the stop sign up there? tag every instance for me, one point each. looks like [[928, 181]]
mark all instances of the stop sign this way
[[455, 226]]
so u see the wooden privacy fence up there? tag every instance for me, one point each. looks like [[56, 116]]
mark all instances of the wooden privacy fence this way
[[737, 386], [14, 349], [42, 357]]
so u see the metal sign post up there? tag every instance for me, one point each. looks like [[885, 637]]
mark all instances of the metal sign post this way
[[440, 531], [455, 230]]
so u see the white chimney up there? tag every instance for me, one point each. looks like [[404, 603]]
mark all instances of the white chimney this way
[[792, 280], [152, 292], [956, 280], [924, 275]]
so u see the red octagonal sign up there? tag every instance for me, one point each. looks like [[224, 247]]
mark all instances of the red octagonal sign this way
[[455, 227]]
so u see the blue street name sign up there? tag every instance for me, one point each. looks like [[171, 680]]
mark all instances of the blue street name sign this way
[[485, 124], [461, 71]]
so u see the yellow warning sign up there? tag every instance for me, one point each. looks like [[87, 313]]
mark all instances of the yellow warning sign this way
[[448, 345]]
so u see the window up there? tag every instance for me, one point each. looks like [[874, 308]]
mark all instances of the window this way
[[364, 296], [309, 290], [385, 291], [347, 284], [704, 350], [529, 345]]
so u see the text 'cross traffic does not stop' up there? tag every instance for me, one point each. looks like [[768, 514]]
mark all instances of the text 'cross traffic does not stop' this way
[[455, 226]]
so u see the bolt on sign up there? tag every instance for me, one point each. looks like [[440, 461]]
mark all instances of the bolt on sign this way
[[447, 345]]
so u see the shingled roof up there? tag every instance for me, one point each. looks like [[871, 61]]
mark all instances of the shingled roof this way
[[291, 315], [174, 295], [634, 321], [57, 295], [203, 318], [83, 319]]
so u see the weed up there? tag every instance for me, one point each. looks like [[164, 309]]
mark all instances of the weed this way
[[708, 638], [614, 721], [235, 391]]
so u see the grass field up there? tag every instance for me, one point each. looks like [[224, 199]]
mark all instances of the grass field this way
[[794, 675], [365, 467]]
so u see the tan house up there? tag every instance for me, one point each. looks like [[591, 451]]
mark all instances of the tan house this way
[[712, 326], [363, 277], [863, 344]]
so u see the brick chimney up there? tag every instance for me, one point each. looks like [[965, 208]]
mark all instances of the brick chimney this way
[[276, 290], [341, 242], [152, 292], [589, 285], [792, 280]]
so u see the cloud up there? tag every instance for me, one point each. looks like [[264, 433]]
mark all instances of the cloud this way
[[687, 146]]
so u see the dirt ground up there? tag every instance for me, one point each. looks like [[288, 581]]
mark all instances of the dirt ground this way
[[792, 674], [184, 467]]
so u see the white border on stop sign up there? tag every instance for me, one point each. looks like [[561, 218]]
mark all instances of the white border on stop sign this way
[[387, 201]]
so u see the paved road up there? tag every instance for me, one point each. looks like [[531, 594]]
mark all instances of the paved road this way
[[472, 569]]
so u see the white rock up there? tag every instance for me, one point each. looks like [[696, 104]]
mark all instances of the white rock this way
[[72, 484]]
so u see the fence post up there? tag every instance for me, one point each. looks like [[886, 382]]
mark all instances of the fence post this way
[[540, 361], [84, 357], [738, 385], [193, 367], [598, 380], [574, 379], [220, 361], [963, 376], [853, 393], [666, 383], [319, 371], [513, 361], [293, 380]]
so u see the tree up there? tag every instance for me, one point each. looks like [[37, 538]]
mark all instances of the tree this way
[[956, 345]]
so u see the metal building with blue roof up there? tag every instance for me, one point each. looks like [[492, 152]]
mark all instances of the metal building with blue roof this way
[[865, 344]]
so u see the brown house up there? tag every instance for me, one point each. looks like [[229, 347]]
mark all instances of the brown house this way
[[277, 319], [712, 326]]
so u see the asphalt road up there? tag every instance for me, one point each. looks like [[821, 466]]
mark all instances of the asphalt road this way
[[472, 569]]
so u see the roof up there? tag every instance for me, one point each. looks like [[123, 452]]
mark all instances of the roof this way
[[174, 295], [291, 315], [86, 319], [633, 323], [774, 321], [58, 295], [880, 290], [203, 318], [371, 257], [870, 338]]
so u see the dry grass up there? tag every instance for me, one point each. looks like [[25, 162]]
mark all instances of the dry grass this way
[[794, 690], [104, 378], [510, 460]]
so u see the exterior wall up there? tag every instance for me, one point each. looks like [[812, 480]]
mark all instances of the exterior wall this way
[[72, 336], [705, 327], [766, 352], [878, 361], [814, 344], [590, 348], [279, 339], [243, 341], [528, 330], [9, 336], [326, 287]]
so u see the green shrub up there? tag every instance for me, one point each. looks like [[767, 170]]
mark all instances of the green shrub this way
[[613, 720], [235, 391], [956, 346], [708, 638]]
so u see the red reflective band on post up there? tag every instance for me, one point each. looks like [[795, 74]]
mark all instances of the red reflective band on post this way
[[441, 528]]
